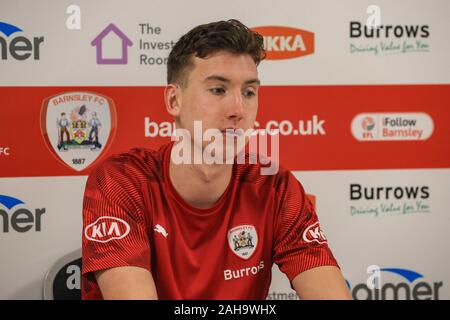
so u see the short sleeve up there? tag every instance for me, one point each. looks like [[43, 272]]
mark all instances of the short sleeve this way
[[300, 244], [115, 231]]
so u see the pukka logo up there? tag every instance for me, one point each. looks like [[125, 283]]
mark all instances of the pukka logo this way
[[243, 240], [285, 42], [78, 127], [105, 229], [314, 234]]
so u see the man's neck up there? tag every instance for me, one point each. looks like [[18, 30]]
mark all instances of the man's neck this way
[[200, 185]]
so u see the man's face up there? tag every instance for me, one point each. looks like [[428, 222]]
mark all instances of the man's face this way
[[221, 91]]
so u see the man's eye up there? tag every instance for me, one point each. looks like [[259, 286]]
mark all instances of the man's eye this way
[[249, 93], [217, 91]]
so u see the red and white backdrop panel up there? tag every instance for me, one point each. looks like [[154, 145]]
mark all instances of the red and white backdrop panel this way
[[363, 118]]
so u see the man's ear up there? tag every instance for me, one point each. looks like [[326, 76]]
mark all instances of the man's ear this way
[[172, 98]]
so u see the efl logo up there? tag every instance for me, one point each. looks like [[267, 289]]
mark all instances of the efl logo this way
[[392, 126], [285, 42], [105, 229], [314, 234], [368, 123]]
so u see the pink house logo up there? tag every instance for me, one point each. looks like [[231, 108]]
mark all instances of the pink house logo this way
[[125, 43]]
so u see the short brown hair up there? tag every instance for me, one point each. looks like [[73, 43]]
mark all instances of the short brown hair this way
[[205, 39]]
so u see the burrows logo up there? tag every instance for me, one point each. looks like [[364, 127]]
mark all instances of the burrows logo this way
[[105, 229], [243, 240], [285, 42], [392, 126], [389, 200], [77, 127], [19, 48], [388, 39]]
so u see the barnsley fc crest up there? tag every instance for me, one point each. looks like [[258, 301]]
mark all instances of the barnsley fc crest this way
[[77, 126], [243, 240]]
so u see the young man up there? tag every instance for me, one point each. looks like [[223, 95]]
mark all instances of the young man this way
[[157, 229]]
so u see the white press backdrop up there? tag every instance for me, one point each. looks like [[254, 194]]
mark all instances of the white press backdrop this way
[[414, 239]]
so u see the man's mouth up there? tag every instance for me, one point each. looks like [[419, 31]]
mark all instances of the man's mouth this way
[[233, 132]]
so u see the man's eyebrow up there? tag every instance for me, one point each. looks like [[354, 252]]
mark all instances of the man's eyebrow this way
[[253, 81], [217, 78], [223, 79]]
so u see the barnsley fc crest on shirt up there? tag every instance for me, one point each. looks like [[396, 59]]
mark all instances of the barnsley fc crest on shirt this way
[[77, 126], [243, 240]]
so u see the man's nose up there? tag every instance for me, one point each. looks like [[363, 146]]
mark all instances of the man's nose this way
[[236, 108]]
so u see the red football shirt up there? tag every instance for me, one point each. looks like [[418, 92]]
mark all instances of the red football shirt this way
[[133, 216]]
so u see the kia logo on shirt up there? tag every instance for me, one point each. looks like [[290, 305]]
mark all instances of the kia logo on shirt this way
[[285, 42], [314, 234], [105, 229]]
